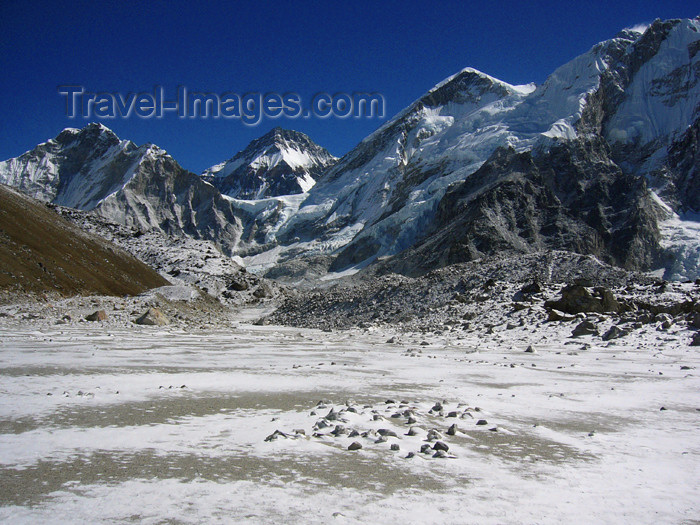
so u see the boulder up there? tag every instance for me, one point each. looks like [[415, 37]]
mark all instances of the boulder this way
[[577, 299], [99, 315], [153, 317], [585, 328]]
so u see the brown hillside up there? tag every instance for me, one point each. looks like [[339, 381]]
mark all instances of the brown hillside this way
[[42, 252]]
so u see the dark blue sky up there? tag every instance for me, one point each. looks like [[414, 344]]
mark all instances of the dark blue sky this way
[[399, 49]]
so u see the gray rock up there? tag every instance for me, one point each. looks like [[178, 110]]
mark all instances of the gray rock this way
[[433, 435], [355, 446], [614, 333], [276, 435], [585, 328], [482, 422], [414, 431], [439, 445], [452, 430]]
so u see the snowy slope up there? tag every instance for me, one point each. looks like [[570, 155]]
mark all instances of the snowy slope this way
[[78, 168], [281, 162], [382, 197]]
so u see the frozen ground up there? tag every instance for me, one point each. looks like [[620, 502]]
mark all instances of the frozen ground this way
[[154, 425]]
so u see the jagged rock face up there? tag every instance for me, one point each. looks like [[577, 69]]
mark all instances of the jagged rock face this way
[[281, 162], [684, 167], [138, 186], [164, 196], [569, 198], [77, 169]]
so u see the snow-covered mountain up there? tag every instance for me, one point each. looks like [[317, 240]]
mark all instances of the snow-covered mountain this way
[[600, 159], [281, 162], [599, 132], [137, 186]]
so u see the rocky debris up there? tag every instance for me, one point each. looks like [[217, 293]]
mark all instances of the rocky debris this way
[[585, 328], [197, 263], [362, 431], [98, 315], [482, 422], [530, 350], [153, 317], [456, 299]]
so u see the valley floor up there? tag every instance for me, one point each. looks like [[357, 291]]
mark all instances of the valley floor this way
[[147, 424]]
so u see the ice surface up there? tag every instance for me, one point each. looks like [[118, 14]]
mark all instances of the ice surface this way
[[581, 437]]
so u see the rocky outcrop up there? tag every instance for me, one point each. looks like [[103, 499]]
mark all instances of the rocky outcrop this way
[[572, 197]]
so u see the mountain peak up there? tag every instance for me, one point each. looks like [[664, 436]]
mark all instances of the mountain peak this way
[[280, 162]]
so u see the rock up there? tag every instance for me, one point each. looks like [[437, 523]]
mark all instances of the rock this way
[[395, 446], [386, 432], [482, 422], [530, 350], [238, 285], [452, 430], [439, 445], [696, 339], [425, 449], [585, 328], [614, 333], [556, 315], [153, 317], [440, 454], [99, 315], [300, 431], [410, 455], [433, 435], [414, 431], [263, 291], [532, 288], [695, 321], [339, 430], [577, 299], [355, 446], [453, 414], [276, 435], [437, 407]]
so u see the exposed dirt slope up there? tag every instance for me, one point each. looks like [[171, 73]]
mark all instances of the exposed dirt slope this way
[[42, 252]]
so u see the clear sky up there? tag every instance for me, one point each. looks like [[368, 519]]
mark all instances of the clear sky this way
[[399, 49]]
